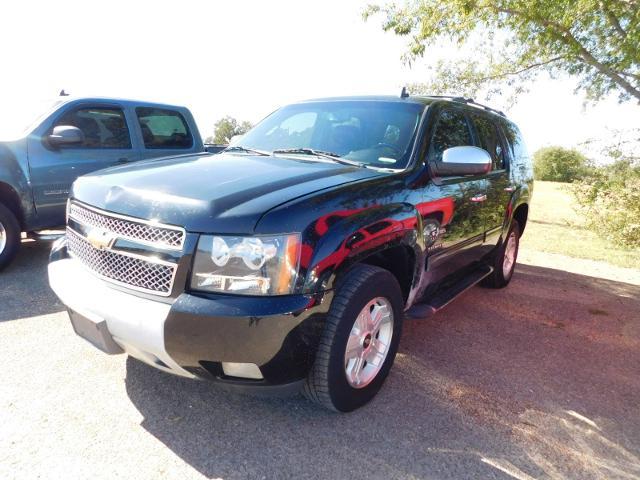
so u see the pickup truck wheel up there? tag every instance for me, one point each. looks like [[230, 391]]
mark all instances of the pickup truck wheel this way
[[359, 341], [505, 261], [9, 236]]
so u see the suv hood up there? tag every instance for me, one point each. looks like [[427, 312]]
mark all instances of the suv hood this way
[[224, 193]]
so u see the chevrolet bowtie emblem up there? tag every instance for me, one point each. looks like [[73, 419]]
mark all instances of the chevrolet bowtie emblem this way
[[101, 239]]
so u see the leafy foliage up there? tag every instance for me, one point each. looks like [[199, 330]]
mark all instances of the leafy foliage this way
[[226, 128], [610, 201], [511, 41], [558, 164]]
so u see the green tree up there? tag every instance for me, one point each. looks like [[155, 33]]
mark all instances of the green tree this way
[[609, 200], [558, 164], [225, 128], [511, 41]]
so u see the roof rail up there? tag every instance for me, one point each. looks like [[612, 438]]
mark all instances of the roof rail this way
[[469, 101]]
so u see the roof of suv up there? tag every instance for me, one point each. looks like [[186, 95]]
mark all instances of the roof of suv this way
[[421, 99]]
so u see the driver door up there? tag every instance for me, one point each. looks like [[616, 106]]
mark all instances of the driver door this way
[[461, 232], [107, 142]]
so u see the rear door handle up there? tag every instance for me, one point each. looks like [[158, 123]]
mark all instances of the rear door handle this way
[[510, 189], [479, 198], [123, 160]]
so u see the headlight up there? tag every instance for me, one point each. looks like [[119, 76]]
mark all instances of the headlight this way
[[258, 265]]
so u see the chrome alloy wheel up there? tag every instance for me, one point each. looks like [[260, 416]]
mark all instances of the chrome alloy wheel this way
[[3, 238], [369, 342], [509, 255]]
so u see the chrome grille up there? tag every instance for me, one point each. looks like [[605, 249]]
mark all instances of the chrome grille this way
[[144, 275], [124, 227]]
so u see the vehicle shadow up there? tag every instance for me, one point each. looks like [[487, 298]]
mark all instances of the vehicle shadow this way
[[24, 284], [539, 380]]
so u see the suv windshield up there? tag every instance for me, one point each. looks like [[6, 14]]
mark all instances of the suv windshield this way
[[373, 133]]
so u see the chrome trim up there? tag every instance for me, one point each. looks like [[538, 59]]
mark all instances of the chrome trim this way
[[132, 220], [467, 155], [131, 255]]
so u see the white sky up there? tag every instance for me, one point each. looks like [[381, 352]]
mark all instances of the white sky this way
[[241, 58]]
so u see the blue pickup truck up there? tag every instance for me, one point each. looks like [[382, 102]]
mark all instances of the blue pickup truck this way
[[72, 137]]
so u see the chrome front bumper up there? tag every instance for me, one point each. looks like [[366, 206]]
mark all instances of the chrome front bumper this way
[[136, 324]]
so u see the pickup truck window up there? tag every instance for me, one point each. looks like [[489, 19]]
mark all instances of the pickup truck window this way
[[452, 130], [163, 128], [102, 127], [490, 140]]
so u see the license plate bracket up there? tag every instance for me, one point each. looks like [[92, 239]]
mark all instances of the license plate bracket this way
[[95, 332]]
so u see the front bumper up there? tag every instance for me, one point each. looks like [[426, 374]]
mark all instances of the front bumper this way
[[194, 334]]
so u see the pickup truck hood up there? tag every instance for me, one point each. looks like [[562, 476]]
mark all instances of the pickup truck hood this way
[[224, 193]]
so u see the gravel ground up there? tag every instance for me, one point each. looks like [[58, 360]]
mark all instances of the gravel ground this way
[[541, 380]]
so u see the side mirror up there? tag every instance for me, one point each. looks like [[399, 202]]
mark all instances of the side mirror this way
[[464, 160], [63, 135]]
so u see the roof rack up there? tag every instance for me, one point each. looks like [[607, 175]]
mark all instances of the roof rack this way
[[469, 101]]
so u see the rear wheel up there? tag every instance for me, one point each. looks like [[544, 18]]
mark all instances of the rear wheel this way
[[505, 260], [359, 342], [9, 236]]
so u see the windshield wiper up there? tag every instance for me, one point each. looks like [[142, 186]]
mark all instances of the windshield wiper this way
[[319, 153], [240, 148]]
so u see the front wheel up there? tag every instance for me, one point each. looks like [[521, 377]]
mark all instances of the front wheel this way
[[9, 236], [505, 260], [359, 342]]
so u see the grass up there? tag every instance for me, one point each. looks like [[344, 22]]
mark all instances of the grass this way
[[554, 226]]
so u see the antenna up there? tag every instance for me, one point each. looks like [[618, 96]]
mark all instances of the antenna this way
[[404, 93], [63, 93]]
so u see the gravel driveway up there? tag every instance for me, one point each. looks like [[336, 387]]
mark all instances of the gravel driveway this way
[[541, 380]]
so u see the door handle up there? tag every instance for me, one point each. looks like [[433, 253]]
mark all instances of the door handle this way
[[479, 198], [510, 189], [123, 160]]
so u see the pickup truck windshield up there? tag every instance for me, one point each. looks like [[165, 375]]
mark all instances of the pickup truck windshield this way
[[373, 133]]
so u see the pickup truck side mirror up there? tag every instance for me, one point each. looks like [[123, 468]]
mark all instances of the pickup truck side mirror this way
[[63, 135], [465, 160]]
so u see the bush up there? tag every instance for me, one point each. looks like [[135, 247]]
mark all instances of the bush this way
[[610, 201], [557, 164]]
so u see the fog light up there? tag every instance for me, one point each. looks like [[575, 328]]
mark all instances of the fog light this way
[[242, 370]]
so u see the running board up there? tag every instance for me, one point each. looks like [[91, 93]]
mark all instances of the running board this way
[[46, 236], [444, 297]]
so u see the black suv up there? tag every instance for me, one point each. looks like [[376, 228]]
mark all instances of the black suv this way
[[289, 261]]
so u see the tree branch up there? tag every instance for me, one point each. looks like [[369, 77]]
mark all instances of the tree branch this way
[[565, 34], [522, 70], [613, 20]]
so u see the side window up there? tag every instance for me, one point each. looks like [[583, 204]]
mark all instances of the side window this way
[[452, 130], [514, 141], [163, 128], [490, 140], [102, 127]]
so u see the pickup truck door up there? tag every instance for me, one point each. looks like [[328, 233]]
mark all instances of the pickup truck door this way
[[166, 131], [458, 242], [498, 188], [107, 142]]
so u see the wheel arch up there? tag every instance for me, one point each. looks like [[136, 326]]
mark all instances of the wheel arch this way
[[521, 214], [10, 199]]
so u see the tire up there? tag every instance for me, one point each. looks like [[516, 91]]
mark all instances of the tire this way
[[9, 236], [505, 259], [364, 288]]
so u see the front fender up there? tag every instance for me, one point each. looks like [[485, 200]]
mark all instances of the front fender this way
[[335, 242], [14, 176]]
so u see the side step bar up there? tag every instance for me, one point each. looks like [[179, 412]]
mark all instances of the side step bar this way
[[444, 297], [46, 235]]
